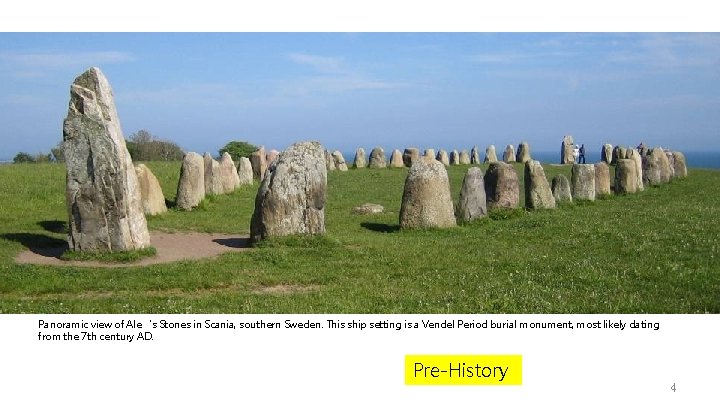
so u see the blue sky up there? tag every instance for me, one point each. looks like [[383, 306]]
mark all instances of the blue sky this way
[[394, 90]]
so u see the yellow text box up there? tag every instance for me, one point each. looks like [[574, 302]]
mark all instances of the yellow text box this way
[[463, 369]]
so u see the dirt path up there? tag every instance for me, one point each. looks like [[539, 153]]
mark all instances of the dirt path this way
[[171, 247]]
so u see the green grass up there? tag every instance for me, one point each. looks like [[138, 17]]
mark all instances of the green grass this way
[[651, 252], [110, 257]]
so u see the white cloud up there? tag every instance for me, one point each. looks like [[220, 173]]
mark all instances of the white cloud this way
[[323, 64]]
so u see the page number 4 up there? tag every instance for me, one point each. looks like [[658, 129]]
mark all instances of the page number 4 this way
[[673, 387]]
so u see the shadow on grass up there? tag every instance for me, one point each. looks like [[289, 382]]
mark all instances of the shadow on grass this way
[[170, 204], [384, 228], [237, 243], [53, 226], [39, 244]]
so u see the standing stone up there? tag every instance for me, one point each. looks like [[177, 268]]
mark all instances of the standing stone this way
[[490, 155], [360, 160], [454, 157], [583, 182], [619, 152], [472, 204], [566, 150], [474, 156], [191, 187], [509, 155], [258, 160], [213, 183], [426, 201], [377, 158], [537, 189], [228, 175], [671, 163], [464, 157], [502, 187], [634, 155], [291, 198], [625, 176], [442, 157], [655, 166], [396, 159], [429, 154], [602, 179], [339, 161], [679, 164], [245, 172], [561, 189], [270, 156], [523, 152], [153, 200], [102, 192], [606, 154], [329, 161], [410, 156]]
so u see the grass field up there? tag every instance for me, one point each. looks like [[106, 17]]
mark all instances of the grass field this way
[[652, 252]]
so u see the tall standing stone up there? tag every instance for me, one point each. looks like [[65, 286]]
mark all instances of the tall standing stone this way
[[191, 187], [602, 179], [443, 158], [339, 161], [270, 156], [329, 161], [566, 150], [537, 189], [454, 157], [464, 157], [429, 154], [472, 204], [410, 156], [360, 160], [618, 152], [490, 155], [426, 201], [396, 159], [509, 155], [153, 200], [680, 164], [583, 182], [502, 188], [291, 198], [655, 166], [635, 156], [377, 158], [523, 152], [102, 192], [474, 155], [258, 160], [213, 182], [625, 176], [228, 174], [561, 189], [245, 172], [606, 154]]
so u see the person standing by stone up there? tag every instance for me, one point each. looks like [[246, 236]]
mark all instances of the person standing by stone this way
[[581, 158]]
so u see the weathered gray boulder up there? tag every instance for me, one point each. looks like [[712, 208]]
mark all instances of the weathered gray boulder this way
[[625, 176], [655, 167], [671, 163], [410, 156], [258, 160], [228, 174], [360, 160], [602, 179], [443, 158], [509, 155], [606, 154], [426, 201], [537, 189], [583, 182], [396, 159], [245, 172], [103, 196], [502, 187], [191, 187], [472, 204], [291, 197], [270, 156], [679, 164], [368, 208], [619, 152], [329, 161], [454, 157], [339, 161], [490, 155], [474, 156], [523, 153], [377, 158], [566, 150], [561, 189], [429, 154], [635, 156], [153, 200], [464, 157], [213, 182]]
